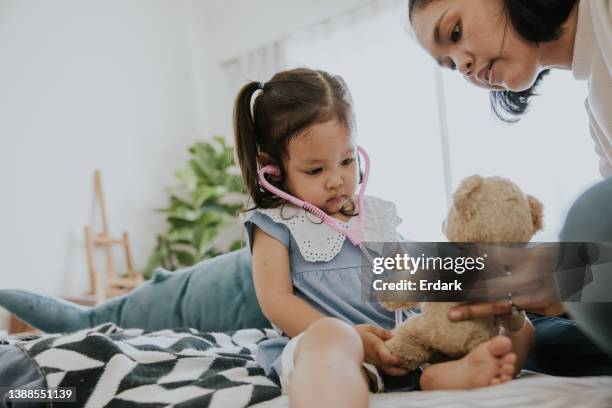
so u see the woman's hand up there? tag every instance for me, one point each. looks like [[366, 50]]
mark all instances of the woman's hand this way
[[472, 311], [375, 350]]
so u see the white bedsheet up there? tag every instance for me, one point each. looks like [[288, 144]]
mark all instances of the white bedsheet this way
[[532, 391]]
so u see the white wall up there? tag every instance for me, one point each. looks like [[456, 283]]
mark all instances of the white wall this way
[[85, 85], [122, 86]]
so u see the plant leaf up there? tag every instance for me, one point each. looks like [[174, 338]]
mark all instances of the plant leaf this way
[[209, 194]]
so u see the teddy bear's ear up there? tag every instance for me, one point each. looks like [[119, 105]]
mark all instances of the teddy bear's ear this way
[[537, 216], [465, 189]]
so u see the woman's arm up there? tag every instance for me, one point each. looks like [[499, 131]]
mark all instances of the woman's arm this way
[[273, 287], [476, 310]]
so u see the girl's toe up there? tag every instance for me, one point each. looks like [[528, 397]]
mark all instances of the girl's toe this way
[[509, 358]]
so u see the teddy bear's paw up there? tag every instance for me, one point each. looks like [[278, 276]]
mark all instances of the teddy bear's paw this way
[[410, 364], [411, 354]]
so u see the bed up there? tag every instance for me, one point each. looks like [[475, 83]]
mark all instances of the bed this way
[[532, 391], [187, 339], [112, 367]]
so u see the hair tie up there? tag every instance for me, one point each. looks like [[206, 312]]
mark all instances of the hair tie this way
[[254, 95]]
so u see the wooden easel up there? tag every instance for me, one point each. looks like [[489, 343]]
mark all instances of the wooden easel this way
[[110, 284]]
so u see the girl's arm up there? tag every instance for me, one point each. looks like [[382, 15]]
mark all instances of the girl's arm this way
[[274, 290], [273, 287]]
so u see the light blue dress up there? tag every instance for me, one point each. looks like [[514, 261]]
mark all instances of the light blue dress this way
[[333, 286]]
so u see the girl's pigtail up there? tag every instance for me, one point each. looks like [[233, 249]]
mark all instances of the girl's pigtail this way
[[245, 139]]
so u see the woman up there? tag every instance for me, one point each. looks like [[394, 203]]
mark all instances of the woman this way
[[508, 46]]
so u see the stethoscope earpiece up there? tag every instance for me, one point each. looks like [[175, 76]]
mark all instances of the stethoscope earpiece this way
[[270, 169]]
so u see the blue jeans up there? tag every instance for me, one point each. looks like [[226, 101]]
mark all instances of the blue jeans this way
[[562, 349]]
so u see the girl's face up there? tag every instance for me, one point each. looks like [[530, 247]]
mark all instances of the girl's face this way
[[322, 166], [476, 38]]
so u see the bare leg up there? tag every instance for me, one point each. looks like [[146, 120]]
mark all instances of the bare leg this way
[[522, 343], [328, 370], [490, 363]]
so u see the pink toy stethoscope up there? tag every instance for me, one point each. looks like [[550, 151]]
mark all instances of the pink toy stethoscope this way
[[354, 234]]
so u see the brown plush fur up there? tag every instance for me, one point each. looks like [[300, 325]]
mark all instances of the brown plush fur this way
[[485, 210]]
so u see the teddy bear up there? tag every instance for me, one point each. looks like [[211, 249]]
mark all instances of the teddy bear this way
[[483, 210]]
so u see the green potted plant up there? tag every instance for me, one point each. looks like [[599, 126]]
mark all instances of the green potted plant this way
[[202, 215]]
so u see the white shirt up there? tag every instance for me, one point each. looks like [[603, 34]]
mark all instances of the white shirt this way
[[592, 62]]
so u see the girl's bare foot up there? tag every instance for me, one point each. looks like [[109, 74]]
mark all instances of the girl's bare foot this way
[[490, 363]]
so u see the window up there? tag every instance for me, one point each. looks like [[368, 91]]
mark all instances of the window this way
[[426, 130], [393, 86], [549, 153]]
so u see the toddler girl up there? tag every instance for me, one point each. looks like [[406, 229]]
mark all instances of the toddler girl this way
[[331, 348]]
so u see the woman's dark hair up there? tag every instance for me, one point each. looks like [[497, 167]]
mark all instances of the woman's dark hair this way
[[288, 103], [535, 20]]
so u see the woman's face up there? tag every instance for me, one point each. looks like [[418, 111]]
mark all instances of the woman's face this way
[[476, 38]]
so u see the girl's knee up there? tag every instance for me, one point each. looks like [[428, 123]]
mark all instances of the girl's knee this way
[[330, 327], [333, 335]]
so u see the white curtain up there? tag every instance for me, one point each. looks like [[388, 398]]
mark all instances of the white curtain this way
[[549, 153], [257, 65], [393, 86]]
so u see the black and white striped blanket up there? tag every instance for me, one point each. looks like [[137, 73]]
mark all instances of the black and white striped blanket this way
[[113, 367]]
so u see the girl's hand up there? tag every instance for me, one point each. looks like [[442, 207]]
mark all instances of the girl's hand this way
[[375, 350]]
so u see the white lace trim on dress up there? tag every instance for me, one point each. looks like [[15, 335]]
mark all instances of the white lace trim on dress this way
[[318, 242]]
